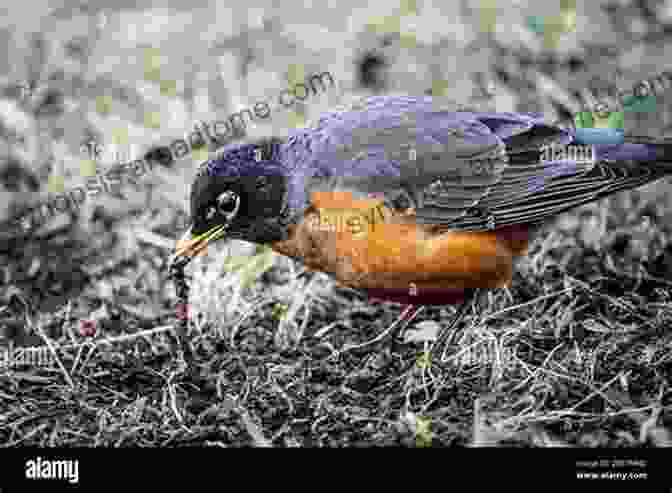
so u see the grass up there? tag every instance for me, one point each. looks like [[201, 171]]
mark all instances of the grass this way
[[577, 352]]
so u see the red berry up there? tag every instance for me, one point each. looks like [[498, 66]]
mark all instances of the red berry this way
[[182, 311], [87, 328]]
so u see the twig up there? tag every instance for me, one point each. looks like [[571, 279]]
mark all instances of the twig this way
[[114, 340], [253, 430], [52, 348], [531, 302]]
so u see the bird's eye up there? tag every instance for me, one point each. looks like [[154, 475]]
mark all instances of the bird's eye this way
[[210, 214], [228, 203]]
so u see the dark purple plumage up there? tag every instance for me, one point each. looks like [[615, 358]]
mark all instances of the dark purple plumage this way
[[460, 168]]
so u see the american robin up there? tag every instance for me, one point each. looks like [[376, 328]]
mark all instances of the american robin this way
[[409, 199]]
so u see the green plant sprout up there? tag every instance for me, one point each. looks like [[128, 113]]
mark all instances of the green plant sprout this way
[[553, 27], [152, 64], [56, 184], [200, 154], [280, 311], [423, 432], [56, 180], [153, 120], [249, 269], [392, 24], [389, 24], [104, 105], [488, 15], [639, 104], [409, 7], [424, 361], [440, 87], [600, 119], [296, 74], [643, 98], [87, 168], [167, 87]]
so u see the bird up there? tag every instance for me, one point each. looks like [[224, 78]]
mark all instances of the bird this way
[[410, 199]]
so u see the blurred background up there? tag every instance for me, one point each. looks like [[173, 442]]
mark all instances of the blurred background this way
[[131, 76]]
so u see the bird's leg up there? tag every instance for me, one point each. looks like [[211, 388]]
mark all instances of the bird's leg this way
[[472, 297], [406, 317]]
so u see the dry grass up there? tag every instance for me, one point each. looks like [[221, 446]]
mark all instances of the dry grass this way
[[577, 353]]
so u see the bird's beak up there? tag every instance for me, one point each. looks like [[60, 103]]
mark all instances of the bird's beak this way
[[191, 246]]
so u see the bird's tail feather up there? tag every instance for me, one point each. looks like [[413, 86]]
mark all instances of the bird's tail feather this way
[[662, 146]]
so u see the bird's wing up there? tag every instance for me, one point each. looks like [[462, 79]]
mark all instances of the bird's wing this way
[[448, 159], [463, 170], [530, 191], [467, 170]]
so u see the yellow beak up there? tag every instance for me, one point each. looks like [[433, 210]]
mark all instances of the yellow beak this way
[[192, 246]]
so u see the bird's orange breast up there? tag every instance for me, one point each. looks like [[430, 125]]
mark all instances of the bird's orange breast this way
[[365, 245]]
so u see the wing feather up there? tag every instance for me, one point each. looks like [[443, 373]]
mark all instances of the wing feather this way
[[463, 169]]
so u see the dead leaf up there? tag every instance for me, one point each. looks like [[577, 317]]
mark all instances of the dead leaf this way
[[425, 331]]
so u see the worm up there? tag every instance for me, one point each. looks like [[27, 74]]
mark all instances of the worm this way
[[176, 272]]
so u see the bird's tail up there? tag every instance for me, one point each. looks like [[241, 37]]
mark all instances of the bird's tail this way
[[661, 146], [614, 168]]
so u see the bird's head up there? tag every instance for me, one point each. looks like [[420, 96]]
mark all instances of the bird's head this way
[[240, 195]]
